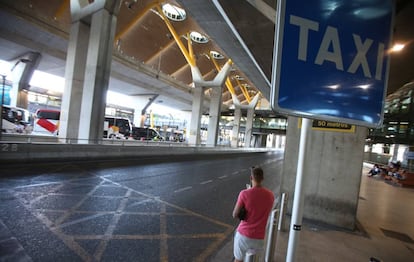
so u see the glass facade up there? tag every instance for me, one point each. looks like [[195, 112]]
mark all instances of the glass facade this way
[[398, 124]]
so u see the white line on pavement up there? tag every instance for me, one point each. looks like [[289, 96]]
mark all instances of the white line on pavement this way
[[206, 182], [183, 189]]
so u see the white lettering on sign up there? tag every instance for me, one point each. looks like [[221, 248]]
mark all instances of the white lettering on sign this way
[[330, 39], [304, 26], [330, 48]]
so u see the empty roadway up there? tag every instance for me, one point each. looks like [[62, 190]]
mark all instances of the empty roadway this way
[[171, 209]]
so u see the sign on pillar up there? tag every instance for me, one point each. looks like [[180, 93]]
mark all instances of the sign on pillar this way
[[331, 60]]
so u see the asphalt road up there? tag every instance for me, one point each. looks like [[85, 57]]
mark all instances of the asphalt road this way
[[175, 209]]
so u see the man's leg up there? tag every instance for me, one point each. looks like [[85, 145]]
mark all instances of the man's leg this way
[[238, 249]]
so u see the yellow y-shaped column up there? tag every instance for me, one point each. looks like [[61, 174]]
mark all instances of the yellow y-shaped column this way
[[200, 85], [249, 122]]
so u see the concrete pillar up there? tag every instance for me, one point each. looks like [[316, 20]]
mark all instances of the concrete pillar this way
[[249, 127], [195, 123], [236, 127], [275, 140], [262, 141], [250, 116], [395, 152], [22, 72], [214, 116], [282, 140], [332, 171], [93, 26], [194, 136], [31, 62], [98, 68], [74, 79]]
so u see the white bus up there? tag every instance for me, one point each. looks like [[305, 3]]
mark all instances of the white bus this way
[[47, 123], [16, 120], [117, 127]]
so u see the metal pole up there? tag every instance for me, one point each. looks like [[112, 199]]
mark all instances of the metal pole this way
[[2, 102], [297, 209], [271, 236], [282, 213]]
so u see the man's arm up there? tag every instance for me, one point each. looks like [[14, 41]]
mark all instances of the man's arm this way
[[236, 210]]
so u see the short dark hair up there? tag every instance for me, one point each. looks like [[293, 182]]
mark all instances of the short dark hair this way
[[257, 173]]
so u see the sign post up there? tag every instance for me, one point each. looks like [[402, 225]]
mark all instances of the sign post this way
[[298, 201], [330, 64]]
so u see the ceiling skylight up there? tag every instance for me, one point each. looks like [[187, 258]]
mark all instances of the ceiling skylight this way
[[198, 38], [173, 12], [216, 55]]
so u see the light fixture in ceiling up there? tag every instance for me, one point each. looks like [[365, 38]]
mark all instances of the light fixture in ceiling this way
[[173, 12], [216, 55], [238, 77], [397, 47], [198, 37]]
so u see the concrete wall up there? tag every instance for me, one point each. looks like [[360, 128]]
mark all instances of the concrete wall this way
[[22, 152], [332, 173]]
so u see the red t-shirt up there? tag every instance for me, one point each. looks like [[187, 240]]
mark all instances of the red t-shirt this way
[[258, 202]]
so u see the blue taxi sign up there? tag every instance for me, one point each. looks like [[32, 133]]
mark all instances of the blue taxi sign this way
[[330, 60]]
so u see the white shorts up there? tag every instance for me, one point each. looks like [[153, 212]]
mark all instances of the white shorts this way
[[242, 244]]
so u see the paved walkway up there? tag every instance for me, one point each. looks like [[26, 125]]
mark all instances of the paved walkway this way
[[385, 231]]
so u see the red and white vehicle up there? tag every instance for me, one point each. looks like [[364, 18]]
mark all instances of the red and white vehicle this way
[[46, 122]]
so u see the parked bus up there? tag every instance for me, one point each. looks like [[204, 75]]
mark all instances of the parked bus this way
[[16, 120], [117, 127], [46, 122]]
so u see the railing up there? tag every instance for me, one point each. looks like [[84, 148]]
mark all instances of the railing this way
[[24, 138]]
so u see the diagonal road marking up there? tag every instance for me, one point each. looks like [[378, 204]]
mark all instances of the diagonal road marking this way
[[163, 236], [206, 182], [183, 189], [110, 230]]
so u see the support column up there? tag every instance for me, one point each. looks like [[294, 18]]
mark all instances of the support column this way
[[236, 127], [333, 168], [74, 79], [144, 109], [194, 134], [275, 140], [88, 71], [395, 152], [22, 72], [98, 69], [250, 116], [249, 127], [214, 119]]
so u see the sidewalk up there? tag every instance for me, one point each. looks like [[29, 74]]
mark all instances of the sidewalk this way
[[385, 230]]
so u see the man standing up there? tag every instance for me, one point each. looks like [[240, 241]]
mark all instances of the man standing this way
[[257, 202]]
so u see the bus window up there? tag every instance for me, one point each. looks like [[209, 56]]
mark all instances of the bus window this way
[[48, 114]]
